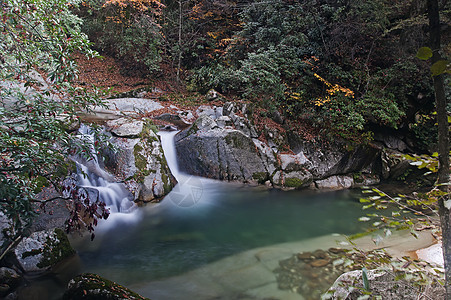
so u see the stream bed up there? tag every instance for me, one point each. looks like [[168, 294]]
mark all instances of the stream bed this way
[[202, 221]]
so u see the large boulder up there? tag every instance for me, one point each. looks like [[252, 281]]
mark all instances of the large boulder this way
[[140, 160], [93, 287], [205, 149], [117, 108], [42, 250], [335, 158]]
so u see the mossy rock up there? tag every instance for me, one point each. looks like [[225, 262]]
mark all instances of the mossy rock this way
[[43, 250], [294, 182], [93, 287], [260, 177]]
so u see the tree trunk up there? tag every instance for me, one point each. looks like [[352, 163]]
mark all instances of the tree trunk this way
[[443, 142], [179, 63]]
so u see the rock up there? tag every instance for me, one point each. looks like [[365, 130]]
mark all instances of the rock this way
[[92, 286], [212, 95], [362, 179], [320, 263], [383, 284], [6, 228], [205, 149], [213, 112], [294, 180], [336, 250], [173, 119], [392, 142], [291, 162], [334, 159], [43, 250], [220, 144], [224, 121], [141, 163], [335, 182], [126, 128], [274, 137], [117, 108], [229, 108], [243, 125], [304, 256]]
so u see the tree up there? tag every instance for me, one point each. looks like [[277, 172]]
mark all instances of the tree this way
[[128, 30], [443, 141], [39, 105]]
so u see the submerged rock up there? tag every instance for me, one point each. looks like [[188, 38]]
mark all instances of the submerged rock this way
[[93, 287], [383, 284], [43, 250]]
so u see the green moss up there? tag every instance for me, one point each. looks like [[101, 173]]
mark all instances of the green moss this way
[[32, 252], [294, 182], [261, 177], [93, 287], [358, 177], [140, 160], [56, 249], [148, 127]]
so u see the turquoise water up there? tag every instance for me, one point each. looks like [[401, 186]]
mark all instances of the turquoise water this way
[[174, 237], [167, 239], [199, 222]]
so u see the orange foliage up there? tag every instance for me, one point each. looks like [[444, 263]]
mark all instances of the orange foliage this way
[[126, 8], [331, 91]]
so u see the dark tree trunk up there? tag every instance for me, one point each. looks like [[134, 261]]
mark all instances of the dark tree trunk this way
[[443, 142]]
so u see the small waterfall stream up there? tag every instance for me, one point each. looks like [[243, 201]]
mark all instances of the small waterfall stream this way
[[100, 184], [168, 145]]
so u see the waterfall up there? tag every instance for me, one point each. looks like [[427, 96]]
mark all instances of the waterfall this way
[[190, 190], [168, 145], [99, 183]]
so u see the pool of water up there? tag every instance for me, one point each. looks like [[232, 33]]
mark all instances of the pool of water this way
[[165, 240], [200, 222]]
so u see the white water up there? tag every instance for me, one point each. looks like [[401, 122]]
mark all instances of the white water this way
[[99, 184], [190, 191], [168, 145]]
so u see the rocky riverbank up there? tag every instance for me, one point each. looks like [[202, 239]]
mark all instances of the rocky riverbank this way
[[221, 141]]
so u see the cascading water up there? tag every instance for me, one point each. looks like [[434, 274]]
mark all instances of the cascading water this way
[[99, 183], [190, 190]]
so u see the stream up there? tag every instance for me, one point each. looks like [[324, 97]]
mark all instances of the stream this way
[[201, 221]]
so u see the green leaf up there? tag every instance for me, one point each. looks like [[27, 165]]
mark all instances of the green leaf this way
[[366, 283], [424, 53], [439, 67]]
